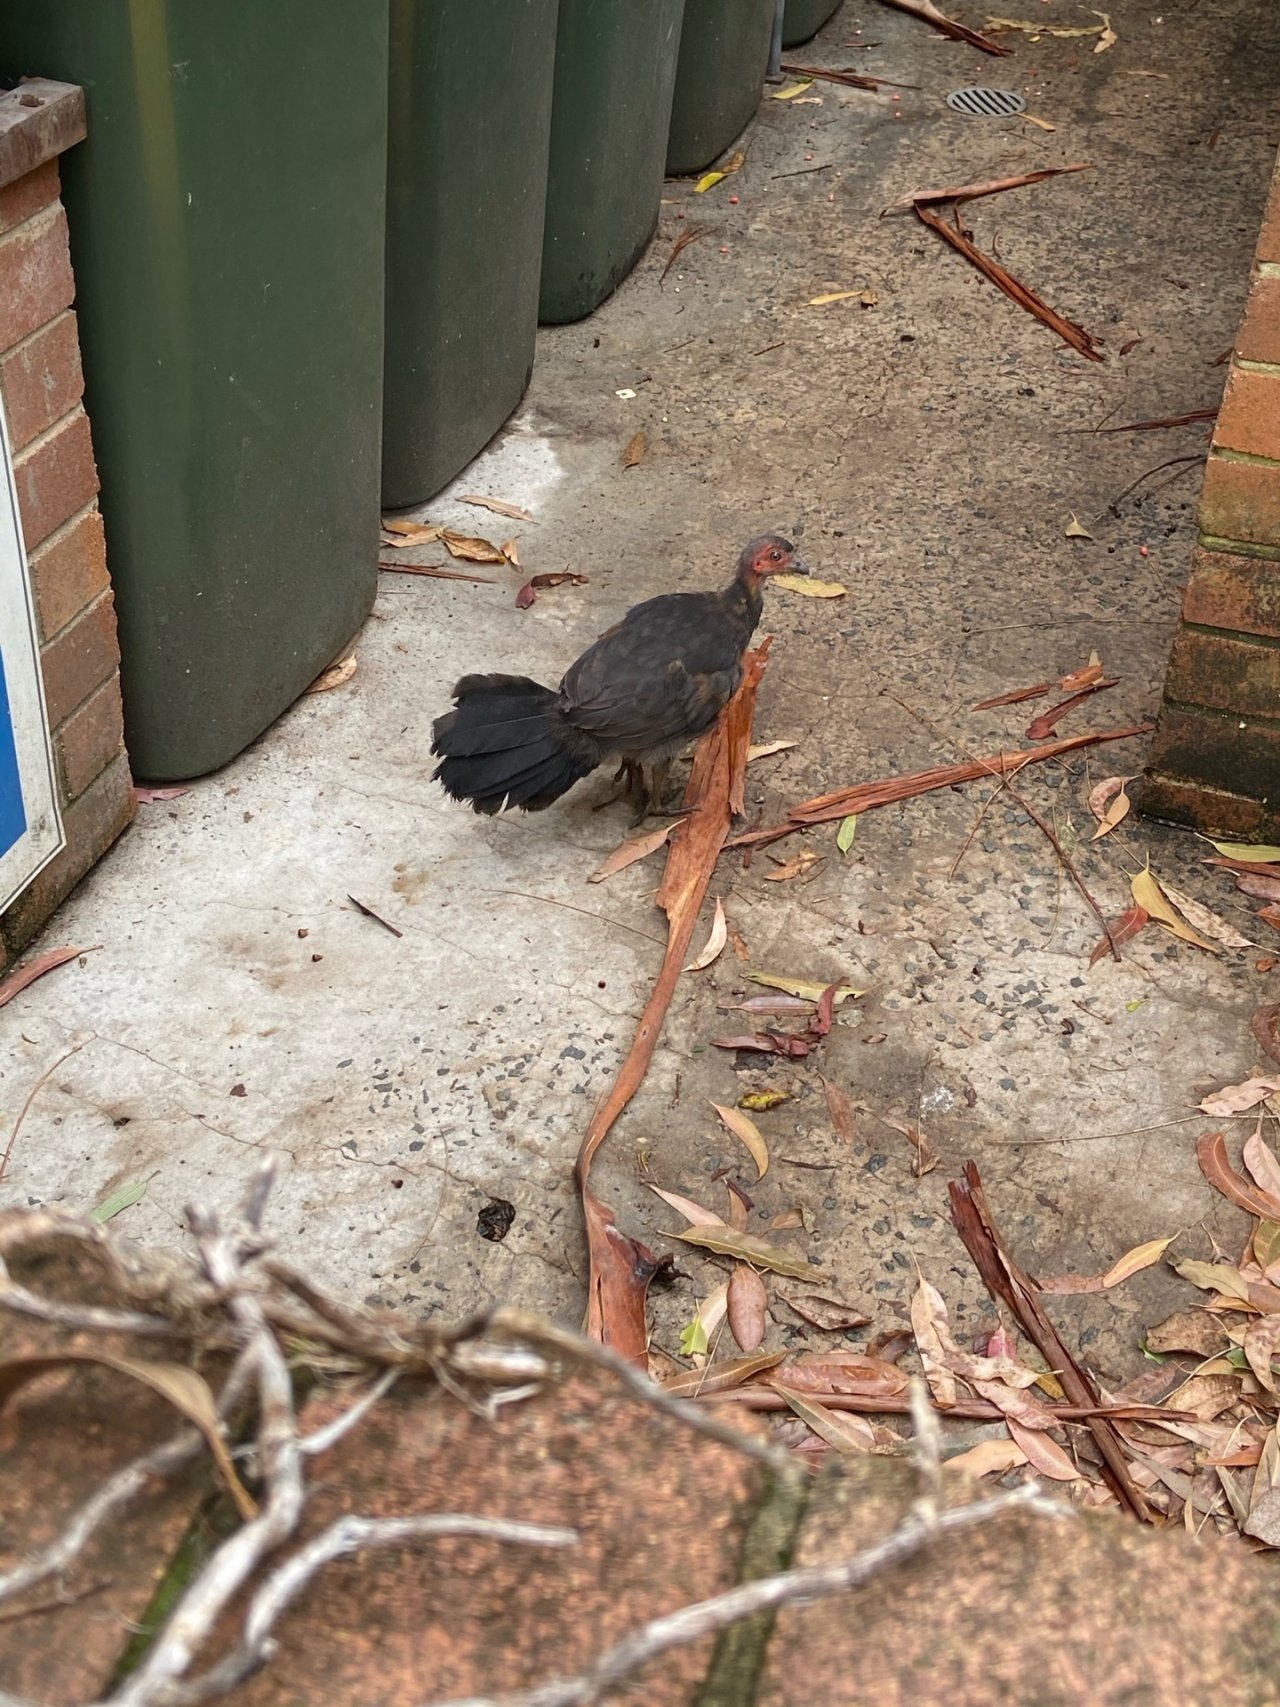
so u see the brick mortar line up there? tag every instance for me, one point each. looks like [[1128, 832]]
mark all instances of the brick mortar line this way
[[1216, 631], [41, 439], [1159, 774], [1248, 457], [43, 216], [1245, 365], [14, 349], [1269, 269], [1214, 542], [1238, 720], [768, 1545]]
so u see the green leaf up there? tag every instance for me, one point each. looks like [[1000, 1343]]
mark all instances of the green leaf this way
[[124, 1197], [847, 831], [693, 1338], [1260, 852]]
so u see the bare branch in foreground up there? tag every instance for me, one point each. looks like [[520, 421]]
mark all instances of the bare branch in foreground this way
[[349, 1535], [116, 1493], [766, 1594]]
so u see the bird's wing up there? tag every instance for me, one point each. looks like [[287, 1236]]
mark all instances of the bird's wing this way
[[660, 677]]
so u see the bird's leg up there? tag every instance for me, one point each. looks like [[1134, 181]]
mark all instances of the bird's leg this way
[[653, 779], [626, 769]]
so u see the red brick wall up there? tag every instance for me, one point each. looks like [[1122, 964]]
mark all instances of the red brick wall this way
[[1215, 758], [41, 386]]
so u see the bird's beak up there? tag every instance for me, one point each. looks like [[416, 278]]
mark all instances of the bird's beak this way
[[800, 567]]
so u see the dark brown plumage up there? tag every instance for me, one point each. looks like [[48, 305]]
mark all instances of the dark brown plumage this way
[[647, 687]]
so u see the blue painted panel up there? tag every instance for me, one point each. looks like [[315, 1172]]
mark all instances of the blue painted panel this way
[[13, 817]]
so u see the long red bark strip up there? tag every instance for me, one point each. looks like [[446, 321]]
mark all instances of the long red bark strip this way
[[988, 187], [865, 796], [620, 1269], [948, 26], [1012, 287], [1004, 1280]]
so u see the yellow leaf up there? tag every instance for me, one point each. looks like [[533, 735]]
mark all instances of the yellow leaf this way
[[868, 298], [1215, 1277], [1115, 814], [706, 181], [811, 589], [760, 1102], [791, 90], [1258, 852], [806, 988], [186, 1391], [833, 296], [1149, 895], [715, 942], [1043, 123], [1075, 528], [743, 1127], [334, 676], [726, 1242], [1140, 1257]]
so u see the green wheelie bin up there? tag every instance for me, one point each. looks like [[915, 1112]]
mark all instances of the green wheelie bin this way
[[724, 54], [466, 197], [615, 74], [804, 18], [227, 220]]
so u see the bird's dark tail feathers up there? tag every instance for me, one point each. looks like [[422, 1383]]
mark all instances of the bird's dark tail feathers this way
[[506, 744]]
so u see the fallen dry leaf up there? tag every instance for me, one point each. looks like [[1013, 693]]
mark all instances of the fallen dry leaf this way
[[851, 1435], [832, 296], [722, 1377], [634, 454], [498, 505], [633, 849], [810, 588], [1260, 887], [1266, 1247], [412, 533], [144, 796], [791, 90], [841, 1111], [334, 676], [1238, 1099], [1214, 1277], [1040, 124], [470, 547], [748, 1306], [709, 179], [1207, 1393], [832, 1315], [18, 980], [948, 26], [1123, 929], [715, 941], [1261, 1344], [740, 1205], [1075, 528], [1042, 1453], [693, 1212], [1108, 38], [768, 749], [747, 1132], [1265, 1026], [1206, 920], [831, 1372], [1196, 1331], [1148, 894], [929, 1323], [726, 1242], [1211, 1155], [1084, 677], [1114, 813], [765, 1043], [1270, 915], [787, 1221], [510, 549], [1260, 853], [529, 592], [1132, 1262], [804, 861], [988, 1458]]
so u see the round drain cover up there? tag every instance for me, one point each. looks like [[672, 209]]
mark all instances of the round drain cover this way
[[986, 103]]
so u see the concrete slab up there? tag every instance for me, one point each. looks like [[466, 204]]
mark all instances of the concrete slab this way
[[928, 452]]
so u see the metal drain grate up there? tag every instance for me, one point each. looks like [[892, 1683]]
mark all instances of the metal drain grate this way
[[986, 103]]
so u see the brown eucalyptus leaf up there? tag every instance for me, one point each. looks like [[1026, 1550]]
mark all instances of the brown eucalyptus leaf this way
[[748, 1307]]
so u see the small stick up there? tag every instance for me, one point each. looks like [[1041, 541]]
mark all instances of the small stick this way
[[376, 917], [31, 1097]]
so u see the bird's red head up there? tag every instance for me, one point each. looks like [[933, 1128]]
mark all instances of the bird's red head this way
[[770, 555]]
